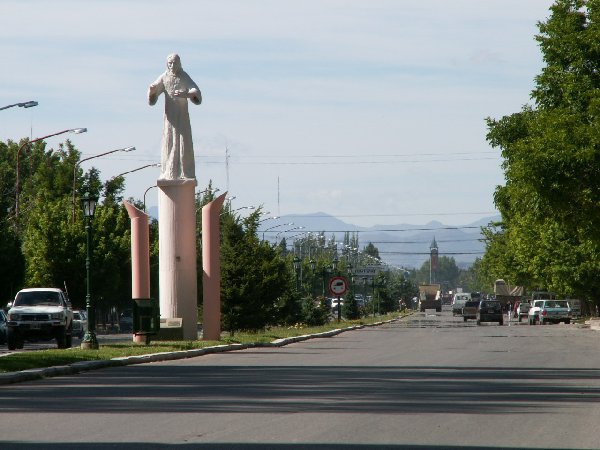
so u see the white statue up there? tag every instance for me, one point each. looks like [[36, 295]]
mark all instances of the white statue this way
[[177, 155]]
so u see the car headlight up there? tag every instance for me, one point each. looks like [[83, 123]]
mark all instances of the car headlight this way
[[56, 316], [14, 316]]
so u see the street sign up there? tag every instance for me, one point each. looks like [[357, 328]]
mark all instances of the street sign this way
[[367, 271], [338, 286]]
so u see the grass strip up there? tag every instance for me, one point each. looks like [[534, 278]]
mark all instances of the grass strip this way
[[62, 357]]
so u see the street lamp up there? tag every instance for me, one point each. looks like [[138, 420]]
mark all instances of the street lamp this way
[[209, 190], [276, 226], [267, 218], [28, 104], [89, 208], [126, 149], [135, 170], [145, 192], [71, 130], [297, 270], [287, 231], [334, 264]]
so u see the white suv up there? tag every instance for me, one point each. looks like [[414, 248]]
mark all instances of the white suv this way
[[39, 314]]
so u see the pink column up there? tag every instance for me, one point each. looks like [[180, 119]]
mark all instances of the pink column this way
[[140, 257], [211, 266]]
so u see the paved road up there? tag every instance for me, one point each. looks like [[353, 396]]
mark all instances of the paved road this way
[[429, 381]]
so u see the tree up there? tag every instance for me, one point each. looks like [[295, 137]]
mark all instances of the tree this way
[[550, 234], [447, 272], [371, 250], [254, 277]]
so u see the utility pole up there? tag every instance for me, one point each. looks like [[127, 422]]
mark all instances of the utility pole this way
[[227, 169]]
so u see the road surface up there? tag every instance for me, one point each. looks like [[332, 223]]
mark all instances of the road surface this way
[[427, 381]]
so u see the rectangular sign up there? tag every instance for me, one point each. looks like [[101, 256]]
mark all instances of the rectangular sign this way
[[367, 271]]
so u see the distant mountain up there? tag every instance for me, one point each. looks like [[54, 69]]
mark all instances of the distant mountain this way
[[404, 245]]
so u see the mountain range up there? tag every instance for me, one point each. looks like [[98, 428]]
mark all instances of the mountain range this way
[[402, 245]]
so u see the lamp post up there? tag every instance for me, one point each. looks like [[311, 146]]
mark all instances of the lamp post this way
[[364, 284], [71, 130], [297, 263], [89, 208], [126, 149], [287, 231], [28, 104], [313, 265], [275, 226], [145, 192], [135, 170]]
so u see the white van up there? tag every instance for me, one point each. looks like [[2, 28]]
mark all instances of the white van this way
[[458, 301]]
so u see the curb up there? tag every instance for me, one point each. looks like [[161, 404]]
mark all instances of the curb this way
[[84, 366]]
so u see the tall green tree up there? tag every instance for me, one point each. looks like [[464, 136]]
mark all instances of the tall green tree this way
[[254, 276], [550, 234]]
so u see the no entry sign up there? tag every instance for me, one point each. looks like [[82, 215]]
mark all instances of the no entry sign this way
[[338, 286]]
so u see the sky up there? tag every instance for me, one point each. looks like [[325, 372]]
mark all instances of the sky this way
[[372, 111]]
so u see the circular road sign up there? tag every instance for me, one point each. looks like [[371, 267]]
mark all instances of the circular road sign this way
[[338, 286]]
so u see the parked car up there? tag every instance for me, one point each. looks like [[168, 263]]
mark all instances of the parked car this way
[[555, 311], [334, 304], [79, 324], [470, 310], [575, 305], [3, 326], [126, 321], [490, 311], [533, 316], [522, 310], [40, 314], [459, 301]]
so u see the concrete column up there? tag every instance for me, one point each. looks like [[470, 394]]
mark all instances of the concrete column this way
[[211, 267], [140, 259], [140, 252], [177, 253]]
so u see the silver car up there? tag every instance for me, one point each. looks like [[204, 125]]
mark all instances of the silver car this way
[[79, 323]]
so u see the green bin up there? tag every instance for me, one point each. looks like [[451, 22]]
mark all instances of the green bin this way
[[146, 316]]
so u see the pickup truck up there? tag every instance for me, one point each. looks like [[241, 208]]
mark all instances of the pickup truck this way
[[469, 311], [40, 314], [555, 311]]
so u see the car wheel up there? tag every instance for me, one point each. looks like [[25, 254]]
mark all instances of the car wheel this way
[[69, 339], [12, 339], [567, 321], [61, 338]]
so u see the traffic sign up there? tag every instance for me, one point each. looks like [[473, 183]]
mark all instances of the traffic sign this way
[[338, 286]]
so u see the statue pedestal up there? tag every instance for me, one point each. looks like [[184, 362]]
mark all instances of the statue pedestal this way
[[177, 253]]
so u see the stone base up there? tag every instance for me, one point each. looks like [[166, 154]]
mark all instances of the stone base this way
[[171, 329]]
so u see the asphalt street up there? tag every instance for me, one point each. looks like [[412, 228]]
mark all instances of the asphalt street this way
[[427, 381]]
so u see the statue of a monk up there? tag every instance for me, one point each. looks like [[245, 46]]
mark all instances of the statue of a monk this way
[[177, 155]]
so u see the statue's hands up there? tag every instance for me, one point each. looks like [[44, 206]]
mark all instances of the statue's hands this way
[[182, 93]]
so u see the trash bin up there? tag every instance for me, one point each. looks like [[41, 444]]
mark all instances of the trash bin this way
[[146, 316]]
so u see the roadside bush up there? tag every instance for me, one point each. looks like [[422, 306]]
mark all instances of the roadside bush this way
[[350, 310], [315, 313]]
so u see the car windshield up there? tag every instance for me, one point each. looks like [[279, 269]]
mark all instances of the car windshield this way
[[34, 298]]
